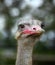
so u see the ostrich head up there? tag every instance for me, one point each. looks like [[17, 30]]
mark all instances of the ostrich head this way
[[29, 32], [29, 29]]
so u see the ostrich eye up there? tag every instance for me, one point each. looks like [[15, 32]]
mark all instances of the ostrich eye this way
[[42, 25], [21, 26]]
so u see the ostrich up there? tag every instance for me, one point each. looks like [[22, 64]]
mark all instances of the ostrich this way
[[28, 33]]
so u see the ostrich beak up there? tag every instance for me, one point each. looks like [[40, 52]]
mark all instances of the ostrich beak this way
[[33, 33], [40, 31], [36, 33], [17, 35]]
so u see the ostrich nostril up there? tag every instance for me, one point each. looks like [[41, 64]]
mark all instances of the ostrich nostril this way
[[34, 28]]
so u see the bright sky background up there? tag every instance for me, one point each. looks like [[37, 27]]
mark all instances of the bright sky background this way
[[34, 3], [2, 22], [8, 2]]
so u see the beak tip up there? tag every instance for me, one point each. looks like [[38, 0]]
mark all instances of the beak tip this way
[[17, 35]]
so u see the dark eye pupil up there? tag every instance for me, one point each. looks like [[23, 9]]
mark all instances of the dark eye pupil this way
[[42, 25], [21, 26]]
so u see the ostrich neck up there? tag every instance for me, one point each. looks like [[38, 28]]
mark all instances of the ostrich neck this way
[[24, 53]]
